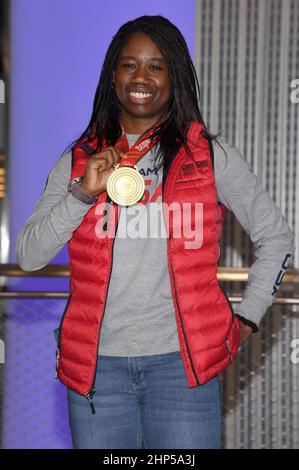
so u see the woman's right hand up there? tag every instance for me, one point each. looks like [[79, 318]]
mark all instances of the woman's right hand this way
[[98, 170]]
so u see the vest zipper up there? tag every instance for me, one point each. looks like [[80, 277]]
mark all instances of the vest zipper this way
[[233, 314], [92, 390], [186, 342], [164, 181], [89, 396], [229, 350], [57, 361]]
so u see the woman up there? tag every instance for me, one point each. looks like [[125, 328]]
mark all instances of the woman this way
[[150, 308]]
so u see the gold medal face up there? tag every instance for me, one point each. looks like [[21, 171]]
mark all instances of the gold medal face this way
[[125, 185]]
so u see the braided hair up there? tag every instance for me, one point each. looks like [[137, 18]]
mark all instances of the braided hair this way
[[183, 106]]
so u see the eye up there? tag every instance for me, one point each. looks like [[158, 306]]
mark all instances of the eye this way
[[128, 65], [156, 67]]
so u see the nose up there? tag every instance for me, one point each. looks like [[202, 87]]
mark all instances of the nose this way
[[140, 75]]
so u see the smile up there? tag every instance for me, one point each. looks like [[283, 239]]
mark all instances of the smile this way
[[140, 97]]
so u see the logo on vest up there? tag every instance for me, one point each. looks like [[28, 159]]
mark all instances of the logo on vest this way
[[194, 169], [188, 169], [202, 166]]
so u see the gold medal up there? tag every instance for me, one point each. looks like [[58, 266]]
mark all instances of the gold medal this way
[[125, 186]]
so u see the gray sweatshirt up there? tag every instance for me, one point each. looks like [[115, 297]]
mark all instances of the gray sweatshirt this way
[[139, 317]]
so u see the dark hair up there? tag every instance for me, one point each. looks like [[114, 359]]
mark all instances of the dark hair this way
[[183, 107]]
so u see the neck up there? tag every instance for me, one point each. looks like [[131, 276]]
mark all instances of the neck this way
[[133, 125]]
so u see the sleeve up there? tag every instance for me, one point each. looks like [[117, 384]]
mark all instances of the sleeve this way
[[55, 216], [242, 193]]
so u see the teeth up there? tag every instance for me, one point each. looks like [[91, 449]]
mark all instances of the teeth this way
[[140, 95]]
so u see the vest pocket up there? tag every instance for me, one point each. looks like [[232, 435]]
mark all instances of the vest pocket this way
[[57, 335], [233, 338], [57, 362]]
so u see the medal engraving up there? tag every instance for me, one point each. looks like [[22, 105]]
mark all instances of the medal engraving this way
[[125, 185]]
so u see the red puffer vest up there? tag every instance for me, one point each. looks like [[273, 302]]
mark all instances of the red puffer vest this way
[[208, 330]]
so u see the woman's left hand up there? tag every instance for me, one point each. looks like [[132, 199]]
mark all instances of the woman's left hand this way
[[245, 332]]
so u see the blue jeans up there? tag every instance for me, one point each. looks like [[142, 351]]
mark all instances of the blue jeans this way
[[145, 402]]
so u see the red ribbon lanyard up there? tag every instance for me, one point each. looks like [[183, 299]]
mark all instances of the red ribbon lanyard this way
[[140, 148]]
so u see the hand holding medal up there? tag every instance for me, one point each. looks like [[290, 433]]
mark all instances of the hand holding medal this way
[[98, 169], [114, 170], [125, 186]]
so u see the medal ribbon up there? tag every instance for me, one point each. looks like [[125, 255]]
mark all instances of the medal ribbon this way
[[140, 148]]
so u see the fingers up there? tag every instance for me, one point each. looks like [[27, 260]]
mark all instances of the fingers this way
[[111, 156], [107, 159]]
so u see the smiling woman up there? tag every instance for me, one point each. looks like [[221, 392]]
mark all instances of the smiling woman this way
[[148, 329], [142, 84]]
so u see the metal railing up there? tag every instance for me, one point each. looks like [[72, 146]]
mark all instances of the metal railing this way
[[61, 270]]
